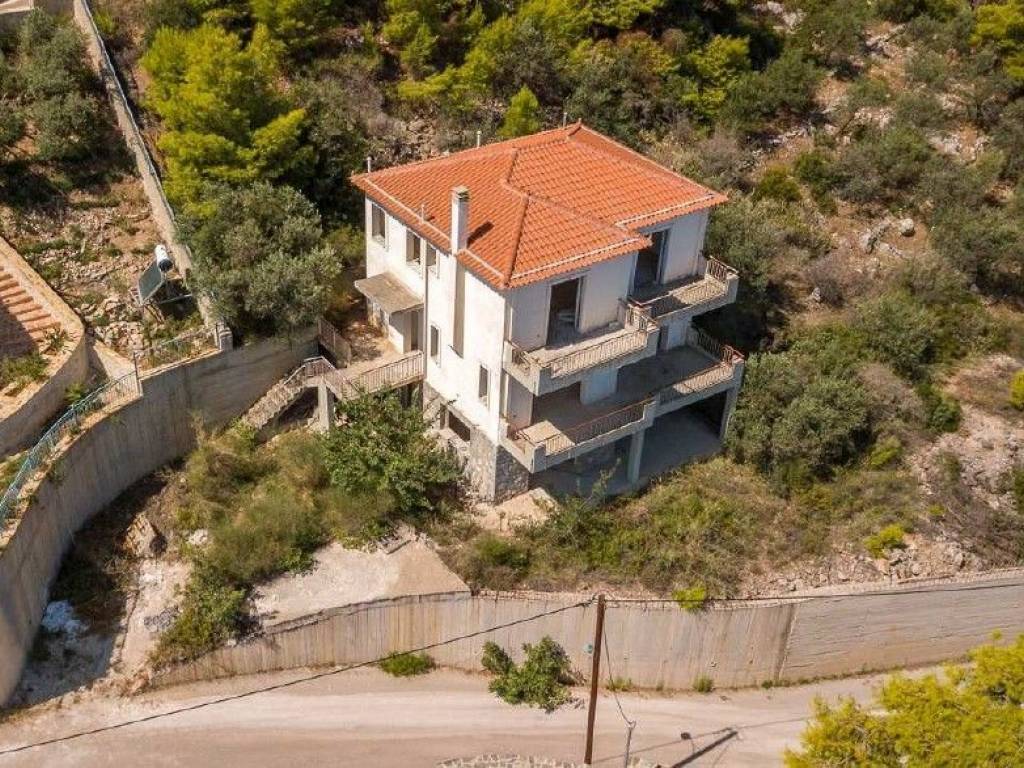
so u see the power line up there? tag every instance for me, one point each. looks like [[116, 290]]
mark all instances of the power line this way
[[285, 684]]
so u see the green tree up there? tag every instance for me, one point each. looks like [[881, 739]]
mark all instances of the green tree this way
[[66, 126], [716, 68], [622, 14], [224, 120], [970, 716], [832, 31], [51, 58], [624, 86], [297, 24], [1001, 26], [384, 449], [261, 258], [783, 90], [523, 116]]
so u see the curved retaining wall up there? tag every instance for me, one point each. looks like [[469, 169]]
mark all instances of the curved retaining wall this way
[[655, 645], [37, 404], [120, 448]]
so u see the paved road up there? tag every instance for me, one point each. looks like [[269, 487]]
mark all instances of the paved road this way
[[364, 718]]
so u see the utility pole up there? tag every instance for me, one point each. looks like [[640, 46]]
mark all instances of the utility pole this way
[[595, 679]]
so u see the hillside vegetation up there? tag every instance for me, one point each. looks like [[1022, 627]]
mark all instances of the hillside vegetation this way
[[873, 153]]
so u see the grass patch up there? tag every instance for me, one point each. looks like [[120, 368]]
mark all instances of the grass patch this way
[[702, 525], [703, 684], [407, 664], [19, 372]]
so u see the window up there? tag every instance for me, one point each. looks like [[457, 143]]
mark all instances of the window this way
[[484, 384], [435, 343], [378, 223], [648, 261], [413, 248], [432, 258]]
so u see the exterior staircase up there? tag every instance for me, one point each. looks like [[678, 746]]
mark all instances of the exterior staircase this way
[[24, 323], [285, 392]]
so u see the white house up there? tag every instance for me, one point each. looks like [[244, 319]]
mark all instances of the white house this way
[[551, 282]]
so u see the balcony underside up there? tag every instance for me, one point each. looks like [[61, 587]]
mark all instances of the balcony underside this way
[[564, 427]]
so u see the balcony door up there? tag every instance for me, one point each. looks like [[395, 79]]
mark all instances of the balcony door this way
[[564, 310], [648, 262]]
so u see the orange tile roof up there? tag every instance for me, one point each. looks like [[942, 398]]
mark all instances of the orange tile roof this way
[[540, 205]]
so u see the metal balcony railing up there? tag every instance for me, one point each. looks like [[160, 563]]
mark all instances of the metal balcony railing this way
[[723, 370], [587, 355], [391, 374], [713, 285]]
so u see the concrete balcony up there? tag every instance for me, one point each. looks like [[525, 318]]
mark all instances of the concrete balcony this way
[[715, 287], [565, 428], [557, 366]]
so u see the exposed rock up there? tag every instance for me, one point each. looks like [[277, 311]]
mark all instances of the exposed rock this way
[[906, 227], [873, 234], [946, 145]]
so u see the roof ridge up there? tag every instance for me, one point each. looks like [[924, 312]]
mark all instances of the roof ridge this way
[[498, 147]]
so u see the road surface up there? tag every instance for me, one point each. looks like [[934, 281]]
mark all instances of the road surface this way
[[364, 718]]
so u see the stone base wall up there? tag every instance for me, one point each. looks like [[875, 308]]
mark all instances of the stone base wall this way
[[493, 472]]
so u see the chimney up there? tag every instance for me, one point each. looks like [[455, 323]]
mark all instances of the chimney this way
[[460, 218]]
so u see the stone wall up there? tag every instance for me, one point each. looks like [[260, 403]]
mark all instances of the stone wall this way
[[656, 645], [118, 449]]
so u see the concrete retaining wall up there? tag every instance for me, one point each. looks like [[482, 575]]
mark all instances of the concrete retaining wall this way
[[655, 645], [37, 404], [119, 449]]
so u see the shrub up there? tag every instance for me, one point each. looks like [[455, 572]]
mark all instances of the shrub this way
[[1018, 489], [900, 332], [884, 541], [1017, 390], [210, 616], [777, 184], [704, 684], [407, 664], [495, 562], [692, 599], [785, 89], [882, 164], [885, 453], [542, 680], [942, 411]]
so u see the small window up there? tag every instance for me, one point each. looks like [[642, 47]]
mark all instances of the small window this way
[[432, 258], [413, 248], [435, 343], [378, 223], [484, 384]]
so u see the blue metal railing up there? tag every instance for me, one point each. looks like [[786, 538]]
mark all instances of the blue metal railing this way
[[118, 390]]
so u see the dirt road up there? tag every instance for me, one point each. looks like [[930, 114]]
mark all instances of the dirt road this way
[[364, 718]]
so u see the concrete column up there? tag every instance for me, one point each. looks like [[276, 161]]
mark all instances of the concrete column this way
[[636, 452], [324, 407], [730, 406]]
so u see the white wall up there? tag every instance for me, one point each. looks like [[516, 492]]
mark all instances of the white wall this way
[[456, 378], [604, 285], [390, 256], [685, 243]]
